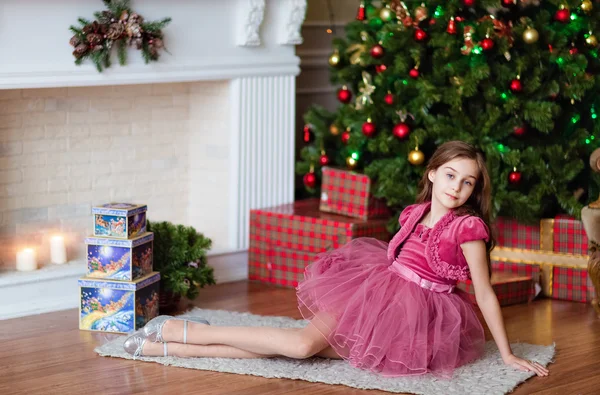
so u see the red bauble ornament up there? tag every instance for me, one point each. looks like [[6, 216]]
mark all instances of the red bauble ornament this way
[[344, 95], [563, 16], [516, 86], [324, 160], [380, 68], [368, 128], [514, 177], [308, 135], [389, 99], [573, 51], [361, 14], [414, 73], [519, 130], [420, 35], [487, 44], [310, 180], [377, 51], [451, 29], [345, 137], [509, 3], [469, 3], [401, 130]]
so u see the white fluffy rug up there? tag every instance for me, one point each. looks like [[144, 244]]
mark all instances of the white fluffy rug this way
[[485, 376]]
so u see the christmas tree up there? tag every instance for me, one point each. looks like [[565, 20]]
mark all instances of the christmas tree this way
[[516, 78]]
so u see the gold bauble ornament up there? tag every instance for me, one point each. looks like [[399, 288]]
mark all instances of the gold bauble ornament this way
[[421, 13], [334, 59], [530, 35], [591, 41], [416, 157], [586, 6], [351, 162], [386, 14], [334, 130]]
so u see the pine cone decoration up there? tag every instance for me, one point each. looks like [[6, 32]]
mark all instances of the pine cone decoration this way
[[115, 31], [95, 27], [136, 18], [94, 38], [80, 50], [75, 41], [157, 43], [133, 30]]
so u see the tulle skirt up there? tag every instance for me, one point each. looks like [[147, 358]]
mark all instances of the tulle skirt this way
[[379, 321]]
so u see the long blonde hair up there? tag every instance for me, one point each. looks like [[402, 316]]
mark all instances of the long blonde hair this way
[[480, 201]]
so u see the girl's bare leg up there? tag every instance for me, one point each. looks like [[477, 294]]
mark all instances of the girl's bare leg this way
[[212, 351], [266, 341]]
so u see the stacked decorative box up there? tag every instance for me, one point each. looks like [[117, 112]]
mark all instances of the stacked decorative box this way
[[120, 291], [555, 253], [286, 238]]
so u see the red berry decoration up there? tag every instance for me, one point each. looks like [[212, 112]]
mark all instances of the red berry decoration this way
[[563, 15], [310, 180], [401, 130], [389, 99], [345, 137], [344, 95], [516, 86], [420, 35], [377, 51], [308, 136], [514, 177], [573, 51], [509, 3], [487, 44], [414, 73], [324, 160], [368, 128], [380, 68], [519, 130], [469, 3]]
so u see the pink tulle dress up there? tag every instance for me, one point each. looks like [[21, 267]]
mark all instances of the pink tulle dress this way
[[394, 319]]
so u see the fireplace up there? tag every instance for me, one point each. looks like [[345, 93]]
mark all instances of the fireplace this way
[[201, 137]]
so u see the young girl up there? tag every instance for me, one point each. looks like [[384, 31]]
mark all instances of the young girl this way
[[390, 308]]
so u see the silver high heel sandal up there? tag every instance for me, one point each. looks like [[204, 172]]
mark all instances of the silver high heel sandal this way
[[135, 343], [153, 329]]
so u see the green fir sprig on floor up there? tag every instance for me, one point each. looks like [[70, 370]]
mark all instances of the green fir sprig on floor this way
[[120, 26]]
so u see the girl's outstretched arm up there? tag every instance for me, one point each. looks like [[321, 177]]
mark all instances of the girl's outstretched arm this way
[[475, 254]]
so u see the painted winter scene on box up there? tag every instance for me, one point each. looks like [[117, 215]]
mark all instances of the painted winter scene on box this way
[[105, 309], [110, 262]]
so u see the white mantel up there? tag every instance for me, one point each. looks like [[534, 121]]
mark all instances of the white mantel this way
[[207, 40], [250, 44]]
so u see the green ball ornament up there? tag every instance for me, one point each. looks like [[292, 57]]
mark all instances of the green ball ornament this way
[[376, 22]]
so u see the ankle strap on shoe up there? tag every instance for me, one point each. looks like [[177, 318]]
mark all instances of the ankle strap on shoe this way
[[165, 350]]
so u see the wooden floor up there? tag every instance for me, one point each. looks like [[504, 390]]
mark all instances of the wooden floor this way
[[47, 354]]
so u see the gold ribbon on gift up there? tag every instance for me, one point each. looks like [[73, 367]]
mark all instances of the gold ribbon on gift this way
[[366, 90], [547, 260]]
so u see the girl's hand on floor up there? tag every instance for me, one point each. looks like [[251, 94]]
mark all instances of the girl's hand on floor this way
[[525, 365]]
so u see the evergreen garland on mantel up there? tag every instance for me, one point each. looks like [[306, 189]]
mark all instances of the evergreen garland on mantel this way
[[118, 26]]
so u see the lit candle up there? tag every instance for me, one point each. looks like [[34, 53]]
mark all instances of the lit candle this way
[[58, 251], [26, 260]]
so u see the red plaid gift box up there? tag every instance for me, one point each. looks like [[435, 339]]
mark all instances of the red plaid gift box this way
[[348, 193], [509, 288], [284, 239], [569, 283], [569, 236], [510, 233]]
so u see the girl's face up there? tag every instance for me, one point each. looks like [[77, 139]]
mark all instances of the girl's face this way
[[454, 182]]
